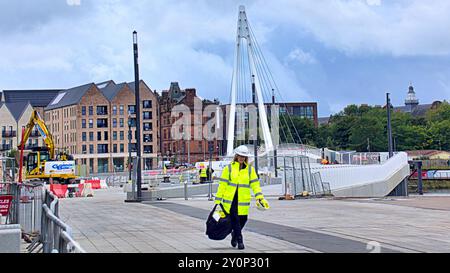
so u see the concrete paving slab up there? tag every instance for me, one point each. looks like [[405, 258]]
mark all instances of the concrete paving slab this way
[[311, 225]]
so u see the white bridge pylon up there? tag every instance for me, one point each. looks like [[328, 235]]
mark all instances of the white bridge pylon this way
[[243, 39]]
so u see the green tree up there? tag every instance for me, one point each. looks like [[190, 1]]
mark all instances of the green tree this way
[[438, 114], [291, 126], [440, 132], [367, 130]]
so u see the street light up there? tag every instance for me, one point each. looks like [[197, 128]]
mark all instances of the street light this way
[[138, 117], [133, 191], [135, 37], [129, 144]]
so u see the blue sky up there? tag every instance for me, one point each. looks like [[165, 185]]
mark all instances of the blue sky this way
[[335, 52]]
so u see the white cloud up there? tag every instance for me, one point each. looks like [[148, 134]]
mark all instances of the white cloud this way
[[98, 47], [373, 2], [92, 42], [400, 28], [298, 55]]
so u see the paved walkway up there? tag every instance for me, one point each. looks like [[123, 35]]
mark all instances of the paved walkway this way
[[105, 223]]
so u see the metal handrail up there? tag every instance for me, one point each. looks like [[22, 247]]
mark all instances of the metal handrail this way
[[56, 235]]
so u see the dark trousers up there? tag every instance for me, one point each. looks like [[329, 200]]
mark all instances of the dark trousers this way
[[237, 221]]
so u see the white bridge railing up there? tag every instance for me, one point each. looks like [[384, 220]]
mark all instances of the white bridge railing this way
[[345, 176]]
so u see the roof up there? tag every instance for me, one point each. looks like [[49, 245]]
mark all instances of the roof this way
[[69, 97], [417, 110], [111, 90], [105, 84], [131, 85], [324, 120], [17, 108], [36, 97]]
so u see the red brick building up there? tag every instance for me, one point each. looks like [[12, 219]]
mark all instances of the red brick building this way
[[184, 150]]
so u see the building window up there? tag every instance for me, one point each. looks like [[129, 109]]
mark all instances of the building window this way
[[148, 126], [121, 135], [132, 109], [132, 122], [122, 148], [147, 104], [121, 123], [83, 123], [99, 136], [83, 136], [114, 148], [91, 123], [114, 122], [91, 148], [102, 123], [148, 137], [121, 110], [91, 136], [91, 165], [102, 148], [148, 149], [133, 147], [118, 164], [102, 110], [102, 165], [83, 110], [106, 136], [91, 110], [83, 148], [114, 110], [148, 115], [114, 135]]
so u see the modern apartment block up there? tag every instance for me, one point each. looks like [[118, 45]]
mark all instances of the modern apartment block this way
[[16, 107], [307, 110], [188, 150], [91, 123]]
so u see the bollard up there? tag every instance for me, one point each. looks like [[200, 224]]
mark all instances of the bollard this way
[[285, 181], [419, 178], [185, 191], [210, 198], [294, 178]]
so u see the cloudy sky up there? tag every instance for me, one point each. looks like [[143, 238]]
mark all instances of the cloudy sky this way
[[335, 52]]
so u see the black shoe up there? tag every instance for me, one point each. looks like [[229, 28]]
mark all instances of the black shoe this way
[[233, 240], [240, 243]]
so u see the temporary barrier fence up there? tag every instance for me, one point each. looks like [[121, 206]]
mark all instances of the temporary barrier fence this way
[[56, 236]]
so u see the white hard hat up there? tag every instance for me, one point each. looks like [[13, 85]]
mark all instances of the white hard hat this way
[[242, 150]]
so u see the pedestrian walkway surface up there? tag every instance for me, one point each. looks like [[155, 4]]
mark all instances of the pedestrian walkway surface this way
[[105, 223]]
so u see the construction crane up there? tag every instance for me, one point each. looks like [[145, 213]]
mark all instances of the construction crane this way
[[42, 162]]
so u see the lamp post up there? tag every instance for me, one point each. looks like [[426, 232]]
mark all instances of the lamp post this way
[[389, 128], [129, 144], [255, 140], [129, 157], [210, 149], [138, 117]]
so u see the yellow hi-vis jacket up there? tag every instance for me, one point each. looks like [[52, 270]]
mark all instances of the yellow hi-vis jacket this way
[[203, 172], [242, 181]]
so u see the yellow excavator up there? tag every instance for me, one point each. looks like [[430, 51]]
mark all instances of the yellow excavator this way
[[41, 162]]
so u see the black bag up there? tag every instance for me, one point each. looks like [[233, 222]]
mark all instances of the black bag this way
[[218, 230]]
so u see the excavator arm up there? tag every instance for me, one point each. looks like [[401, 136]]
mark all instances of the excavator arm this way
[[36, 120]]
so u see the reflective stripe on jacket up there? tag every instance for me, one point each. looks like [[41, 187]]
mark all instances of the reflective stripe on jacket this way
[[203, 172], [241, 180]]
